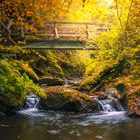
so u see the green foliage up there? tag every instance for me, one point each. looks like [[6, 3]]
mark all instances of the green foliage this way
[[17, 73], [14, 86], [73, 62], [116, 58], [23, 67]]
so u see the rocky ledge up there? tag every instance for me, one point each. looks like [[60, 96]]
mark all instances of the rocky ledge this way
[[62, 98]]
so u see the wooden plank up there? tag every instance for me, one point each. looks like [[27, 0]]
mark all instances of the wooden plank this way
[[51, 35], [71, 27], [65, 27], [72, 35]]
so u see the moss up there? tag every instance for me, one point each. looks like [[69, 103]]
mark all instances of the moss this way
[[51, 81], [19, 66], [24, 67], [14, 86], [68, 99], [54, 63], [99, 78]]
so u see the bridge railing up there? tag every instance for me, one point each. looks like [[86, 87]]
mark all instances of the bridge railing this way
[[59, 31], [67, 30]]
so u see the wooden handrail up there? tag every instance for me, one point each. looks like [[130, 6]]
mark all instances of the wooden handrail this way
[[66, 22]]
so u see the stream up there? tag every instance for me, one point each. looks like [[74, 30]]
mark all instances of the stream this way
[[34, 124], [31, 123]]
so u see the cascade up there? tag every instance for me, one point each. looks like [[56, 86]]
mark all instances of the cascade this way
[[31, 101], [104, 105], [109, 105]]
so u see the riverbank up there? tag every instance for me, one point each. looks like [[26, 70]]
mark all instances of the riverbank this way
[[28, 71], [25, 71]]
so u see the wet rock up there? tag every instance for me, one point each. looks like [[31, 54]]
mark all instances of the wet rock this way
[[132, 113], [61, 98], [102, 97], [112, 92], [51, 81], [99, 137], [54, 132], [108, 93]]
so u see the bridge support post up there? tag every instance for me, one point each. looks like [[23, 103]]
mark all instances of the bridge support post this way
[[56, 36], [87, 33]]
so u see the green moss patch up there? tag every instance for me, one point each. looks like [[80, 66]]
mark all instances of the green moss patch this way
[[60, 98]]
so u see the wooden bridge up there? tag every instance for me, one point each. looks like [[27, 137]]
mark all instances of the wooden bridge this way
[[67, 30], [53, 35], [64, 35]]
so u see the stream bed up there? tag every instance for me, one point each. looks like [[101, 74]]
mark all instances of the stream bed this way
[[34, 124]]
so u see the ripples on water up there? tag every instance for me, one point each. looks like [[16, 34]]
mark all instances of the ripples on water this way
[[34, 124]]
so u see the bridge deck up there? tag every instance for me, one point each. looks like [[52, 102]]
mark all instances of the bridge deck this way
[[58, 45]]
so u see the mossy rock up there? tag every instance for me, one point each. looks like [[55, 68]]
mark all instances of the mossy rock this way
[[51, 81], [24, 67], [14, 87], [133, 100], [61, 98]]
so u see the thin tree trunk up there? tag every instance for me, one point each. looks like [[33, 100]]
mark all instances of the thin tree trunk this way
[[8, 32]]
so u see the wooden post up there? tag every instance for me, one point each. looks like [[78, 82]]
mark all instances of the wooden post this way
[[87, 31], [22, 32], [56, 36]]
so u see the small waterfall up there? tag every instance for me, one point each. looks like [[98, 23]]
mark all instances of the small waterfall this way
[[109, 105], [66, 83], [106, 105], [31, 101]]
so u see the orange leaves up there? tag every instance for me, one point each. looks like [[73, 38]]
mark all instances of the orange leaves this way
[[29, 14], [134, 99]]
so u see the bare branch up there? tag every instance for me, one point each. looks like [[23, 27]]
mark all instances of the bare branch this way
[[118, 14], [129, 13]]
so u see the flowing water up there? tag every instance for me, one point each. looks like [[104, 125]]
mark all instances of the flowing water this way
[[34, 124], [31, 101]]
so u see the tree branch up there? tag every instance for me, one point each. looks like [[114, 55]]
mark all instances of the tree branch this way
[[129, 13], [118, 15]]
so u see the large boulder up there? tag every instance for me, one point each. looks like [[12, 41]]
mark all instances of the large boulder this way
[[51, 81], [61, 98]]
